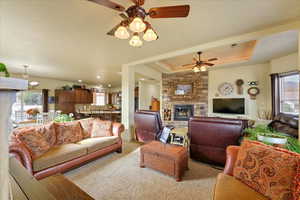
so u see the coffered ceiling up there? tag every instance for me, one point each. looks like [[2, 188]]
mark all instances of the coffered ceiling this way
[[66, 39]]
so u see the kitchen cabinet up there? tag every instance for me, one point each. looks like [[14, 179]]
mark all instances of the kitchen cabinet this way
[[65, 100]]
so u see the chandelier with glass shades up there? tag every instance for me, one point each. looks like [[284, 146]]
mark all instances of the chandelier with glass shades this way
[[134, 26]]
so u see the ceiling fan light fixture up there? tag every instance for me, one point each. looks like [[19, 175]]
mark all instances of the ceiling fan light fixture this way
[[135, 41], [150, 35], [122, 33], [203, 68], [137, 25], [196, 69]]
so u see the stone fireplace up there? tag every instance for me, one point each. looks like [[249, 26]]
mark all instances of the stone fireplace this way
[[183, 112], [177, 109]]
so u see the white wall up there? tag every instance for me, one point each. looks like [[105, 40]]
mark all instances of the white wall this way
[[257, 72], [285, 64], [147, 90]]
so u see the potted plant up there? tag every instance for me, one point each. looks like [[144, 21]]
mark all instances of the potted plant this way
[[3, 70]]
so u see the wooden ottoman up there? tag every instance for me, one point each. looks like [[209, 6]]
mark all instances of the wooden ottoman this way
[[166, 158]]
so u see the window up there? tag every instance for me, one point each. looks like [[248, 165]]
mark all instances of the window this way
[[25, 101], [100, 99], [289, 93]]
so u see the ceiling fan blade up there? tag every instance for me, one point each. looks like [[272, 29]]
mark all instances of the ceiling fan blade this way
[[195, 59], [209, 64], [139, 2], [170, 11], [109, 4], [188, 65], [212, 59], [113, 30], [123, 15]]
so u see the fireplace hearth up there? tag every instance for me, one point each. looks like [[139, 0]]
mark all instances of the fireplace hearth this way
[[183, 112]]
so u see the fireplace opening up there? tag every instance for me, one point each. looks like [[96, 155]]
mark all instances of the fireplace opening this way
[[183, 112]]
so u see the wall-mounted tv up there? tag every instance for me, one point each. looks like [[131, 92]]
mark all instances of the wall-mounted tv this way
[[229, 106]]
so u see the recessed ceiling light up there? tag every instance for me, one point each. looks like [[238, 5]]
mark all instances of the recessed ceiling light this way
[[142, 79], [109, 85], [34, 83], [80, 81], [98, 77]]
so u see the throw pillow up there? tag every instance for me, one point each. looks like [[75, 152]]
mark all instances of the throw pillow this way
[[101, 128], [48, 131], [87, 126], [34, 141], [69, 132], [271, 171]]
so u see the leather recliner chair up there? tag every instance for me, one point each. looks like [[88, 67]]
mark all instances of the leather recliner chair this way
[[210, 136], [148, 125]]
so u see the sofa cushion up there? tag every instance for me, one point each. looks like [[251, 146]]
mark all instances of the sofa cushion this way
[[101, 128], [273, 172], [48, 131], [69, 132], [95, 144], [87, 125], [227, 187], [57, 155], [34, 141]]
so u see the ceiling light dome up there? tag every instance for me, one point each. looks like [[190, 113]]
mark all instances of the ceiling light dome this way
[[203, 68], [150, 35], [136, 41], [137, 25]]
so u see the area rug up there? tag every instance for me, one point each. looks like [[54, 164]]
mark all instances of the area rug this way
[[119, 177]]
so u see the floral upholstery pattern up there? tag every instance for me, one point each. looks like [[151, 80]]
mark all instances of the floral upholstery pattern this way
[[48, 131], [101, 128], [271, 171], [87, 126], [67, 133], [34, 141]]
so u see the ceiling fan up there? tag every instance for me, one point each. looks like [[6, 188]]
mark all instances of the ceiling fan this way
[[134, 19], [201, 65]]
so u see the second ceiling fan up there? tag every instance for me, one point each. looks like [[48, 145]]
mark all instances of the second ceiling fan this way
[[134, 20], [200, 65]]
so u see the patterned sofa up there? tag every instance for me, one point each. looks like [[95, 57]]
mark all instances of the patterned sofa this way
[[57, 147]]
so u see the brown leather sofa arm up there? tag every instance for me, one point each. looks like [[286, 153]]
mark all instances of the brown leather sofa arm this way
[[117, 129], [22, 154], [231, 156]]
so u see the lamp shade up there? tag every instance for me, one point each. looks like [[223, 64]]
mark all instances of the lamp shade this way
[[137, 25], [136, 41], [122, 33], [203, 68], [150, 35]]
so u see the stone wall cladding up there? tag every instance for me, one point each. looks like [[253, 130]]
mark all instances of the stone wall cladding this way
[[199, 98]]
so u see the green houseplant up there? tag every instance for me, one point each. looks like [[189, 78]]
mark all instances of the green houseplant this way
[[291, 144], [63, 118], [3, 69]]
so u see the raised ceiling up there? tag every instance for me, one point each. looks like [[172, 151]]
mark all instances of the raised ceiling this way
[[66, 39], [225, 55]]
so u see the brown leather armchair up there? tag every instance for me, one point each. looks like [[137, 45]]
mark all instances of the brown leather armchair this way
[[148, 125], [210, 136]]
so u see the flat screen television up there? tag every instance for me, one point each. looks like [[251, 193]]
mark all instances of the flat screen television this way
[[229, 106]]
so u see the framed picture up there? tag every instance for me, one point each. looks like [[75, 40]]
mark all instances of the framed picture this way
[[183, 89], [164, 137]]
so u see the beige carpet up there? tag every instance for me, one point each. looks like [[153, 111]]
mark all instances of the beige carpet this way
[[118, 176]]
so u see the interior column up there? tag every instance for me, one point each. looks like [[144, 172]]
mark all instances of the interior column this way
[[128, 84], [8, 89], [299, 70]]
